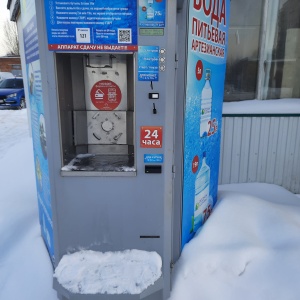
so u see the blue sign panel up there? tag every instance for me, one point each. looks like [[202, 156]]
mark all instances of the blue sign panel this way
[[207, 47], [153, 158], [31, 46], [148, 63], [34, 92], [152, 13], [96, 25]]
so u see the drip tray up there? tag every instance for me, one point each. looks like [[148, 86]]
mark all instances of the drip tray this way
[[100, 165]]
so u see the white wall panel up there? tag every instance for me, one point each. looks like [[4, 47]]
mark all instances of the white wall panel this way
[[261, 149], [245, 148], [227, 150], [272, 149], [295, 184]]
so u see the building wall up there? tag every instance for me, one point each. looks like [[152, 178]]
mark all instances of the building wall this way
[[261, 149], [11, 64]]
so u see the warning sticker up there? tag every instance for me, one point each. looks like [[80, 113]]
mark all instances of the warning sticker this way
[[106, 95]]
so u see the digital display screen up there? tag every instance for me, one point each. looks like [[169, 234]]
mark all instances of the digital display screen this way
[[152, 31]]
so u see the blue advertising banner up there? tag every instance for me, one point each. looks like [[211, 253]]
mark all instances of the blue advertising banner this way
[[148, 63], [207, 48], [34, 91], [93, 25], [152, 13]]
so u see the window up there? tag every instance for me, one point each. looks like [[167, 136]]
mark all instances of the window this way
[[16, 67], [12, 83], [263, 50]]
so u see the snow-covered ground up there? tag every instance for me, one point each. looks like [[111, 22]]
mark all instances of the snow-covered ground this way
[[274, 106], [248, 249], [25, 267]]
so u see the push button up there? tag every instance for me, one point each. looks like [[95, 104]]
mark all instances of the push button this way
[[153, 96]]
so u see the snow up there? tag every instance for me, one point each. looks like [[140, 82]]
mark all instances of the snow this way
[[113, 163], [276, 106], [126, 272], [70, 166], [248, 249], [25, 267]]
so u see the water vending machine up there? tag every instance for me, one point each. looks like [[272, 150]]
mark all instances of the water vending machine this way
[[126, 103]]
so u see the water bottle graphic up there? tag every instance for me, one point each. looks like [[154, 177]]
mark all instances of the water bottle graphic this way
[[150, 13], [150, 10], [201, 201], [205, 110]]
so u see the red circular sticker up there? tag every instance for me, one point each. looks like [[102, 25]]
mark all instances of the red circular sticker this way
[[195, 164], [199, 69], [106, 95]]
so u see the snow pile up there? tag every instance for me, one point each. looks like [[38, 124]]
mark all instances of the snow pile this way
[[90, 272], [248, 249], [277, 106]]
